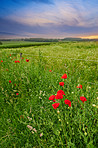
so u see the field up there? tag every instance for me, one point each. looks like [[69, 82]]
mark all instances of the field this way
[[16, 44], [33, 113]]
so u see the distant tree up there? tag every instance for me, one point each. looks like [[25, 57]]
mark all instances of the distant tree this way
[[0, 43]]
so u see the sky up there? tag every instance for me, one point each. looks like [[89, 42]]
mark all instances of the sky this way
[[48, 18]]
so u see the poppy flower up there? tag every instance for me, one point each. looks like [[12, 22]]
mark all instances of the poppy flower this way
[[64, 76], [18, 61], [27, 60], [9, 81], [61, 92], [15, 61], [50, 70], [55, 105], [6, 69], [83, 99], [22, 58], [68, 102], [61, 83], [10, 54], [17, 94], [79, 86], [59, 96], [1, 61], [52, 97]]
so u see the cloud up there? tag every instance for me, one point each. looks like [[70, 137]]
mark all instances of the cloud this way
[[63, 18]]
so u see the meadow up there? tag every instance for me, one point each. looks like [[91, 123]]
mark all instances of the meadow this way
[[49, 96]]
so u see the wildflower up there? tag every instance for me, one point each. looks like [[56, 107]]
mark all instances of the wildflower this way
[[61, 92], [79, 86], [64, 76], [55, 105], [41, 134], [27, 60], [6, 69], [14, 84], [34, 130], [68, 102], [93, 105], [59, 96], [58, 111], [61, 83], [50, 70], [22, 58], [9, 81], [1, 61], [15, 61], [83, 99], [30, 127], [18, 61], [17, 94], [59, 119], [85, 134], [29, 118], [10, 54], [52, 97]]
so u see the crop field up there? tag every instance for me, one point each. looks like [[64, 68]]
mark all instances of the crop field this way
[[49, 96], [17, 44]]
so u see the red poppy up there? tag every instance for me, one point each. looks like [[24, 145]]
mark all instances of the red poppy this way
[[11, 59], [52, 97], [68, 102], [55, 105], [9, 81], [50, 70], [22, 58], [6, 69], [18, 61], [27, 60], [61, 92], [83, 99], [17, 94], [1, 61], [61, 83], [53, 100], [10, 54], [59, 96], [79, 86], [15, 61], [64, 76]]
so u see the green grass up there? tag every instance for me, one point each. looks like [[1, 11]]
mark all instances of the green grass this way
[[17, 44], [64, 127]]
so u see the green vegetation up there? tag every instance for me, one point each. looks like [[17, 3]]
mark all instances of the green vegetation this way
[[0, 43], [28, 119], [17, 44]]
